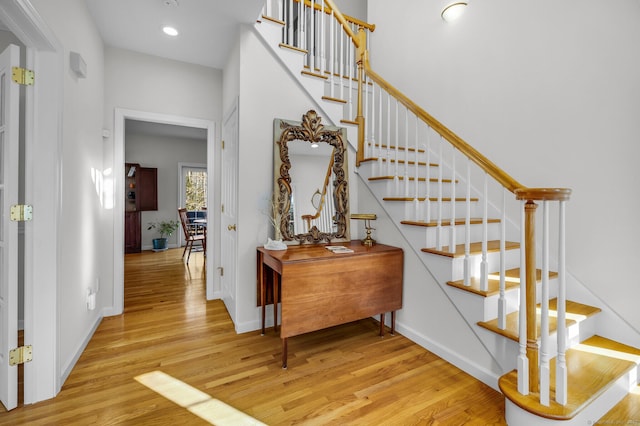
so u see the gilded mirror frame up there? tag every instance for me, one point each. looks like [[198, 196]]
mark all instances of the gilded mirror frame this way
[[313, 131]]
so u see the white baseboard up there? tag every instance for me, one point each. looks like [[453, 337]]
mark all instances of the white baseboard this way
[[468, 366], [69, 367]]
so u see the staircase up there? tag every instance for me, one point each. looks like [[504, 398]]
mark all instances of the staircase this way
[[455, 209]]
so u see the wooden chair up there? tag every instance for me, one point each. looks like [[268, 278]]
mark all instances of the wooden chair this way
[[191, 234]]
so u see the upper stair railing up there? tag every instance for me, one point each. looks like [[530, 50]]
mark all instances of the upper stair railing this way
[[412, 151]]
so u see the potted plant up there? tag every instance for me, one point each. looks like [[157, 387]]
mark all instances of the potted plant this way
[[165, 228]]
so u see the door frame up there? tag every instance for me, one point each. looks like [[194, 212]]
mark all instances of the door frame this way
[[43, 177], [121, 114]]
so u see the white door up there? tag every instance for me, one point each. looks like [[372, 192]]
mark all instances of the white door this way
[[229, 199], [9, 122]]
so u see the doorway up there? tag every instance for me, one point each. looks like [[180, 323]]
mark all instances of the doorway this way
[[121, 115]]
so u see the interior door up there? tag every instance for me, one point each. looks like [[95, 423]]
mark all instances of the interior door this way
[[9, 127], [228, 222]]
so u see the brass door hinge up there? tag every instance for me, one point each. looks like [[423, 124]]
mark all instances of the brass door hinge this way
[[221, 271], [21, 212], [20, 355], [222, 208], [23, 76], [223, 144]]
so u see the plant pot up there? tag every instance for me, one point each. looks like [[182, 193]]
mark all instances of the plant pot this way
[[159, 244]]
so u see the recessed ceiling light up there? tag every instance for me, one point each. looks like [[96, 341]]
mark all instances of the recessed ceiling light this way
[[170, 31]]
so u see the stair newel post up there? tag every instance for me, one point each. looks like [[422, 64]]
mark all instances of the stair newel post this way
[[361, 52], [530, 261]]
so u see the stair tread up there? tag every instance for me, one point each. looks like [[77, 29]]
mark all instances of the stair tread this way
[[592, 367], [391, 160], [474, 248], [445, 199], [393, 147], [411, 178], [512, 280], [576, 312], [447, 222]]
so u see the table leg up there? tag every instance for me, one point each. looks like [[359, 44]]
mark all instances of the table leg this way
[[284, 352], [393, 323], [263, 290], [382, 324], [275, 301]]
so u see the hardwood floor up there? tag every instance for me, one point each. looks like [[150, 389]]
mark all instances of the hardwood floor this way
[[342, 375]]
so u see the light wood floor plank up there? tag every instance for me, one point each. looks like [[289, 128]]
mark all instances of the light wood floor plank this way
[[342, 375]]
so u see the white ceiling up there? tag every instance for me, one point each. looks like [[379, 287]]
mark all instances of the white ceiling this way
[[207, 27]]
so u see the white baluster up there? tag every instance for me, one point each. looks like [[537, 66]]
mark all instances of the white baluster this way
[[416, 171], [396, 143], [561, 364], [452, 225], [467, 229], [290, 21], [439, 214], [523, 361], [323, 41], [332, 54], [406, 153], [312, 37], [544, 310], [502, 301], [427, 196], [300, 26], [388, 142], [484, 268]]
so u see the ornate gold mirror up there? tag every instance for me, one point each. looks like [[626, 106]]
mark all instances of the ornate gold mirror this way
[[311, 193]]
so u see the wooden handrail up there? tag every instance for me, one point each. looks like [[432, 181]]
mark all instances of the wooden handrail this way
[[343, 21], [347, 18]]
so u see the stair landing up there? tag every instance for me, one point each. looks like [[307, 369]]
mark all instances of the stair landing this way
[[592, 367]]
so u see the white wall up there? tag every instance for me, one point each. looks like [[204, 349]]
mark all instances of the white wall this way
[[163, 153], [81, 224], [549, 92]]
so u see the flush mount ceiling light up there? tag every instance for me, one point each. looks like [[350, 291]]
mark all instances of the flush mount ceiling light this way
[[170, 31], [453, 11]]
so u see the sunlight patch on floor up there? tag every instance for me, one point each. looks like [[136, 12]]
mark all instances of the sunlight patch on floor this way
[[197, 402]]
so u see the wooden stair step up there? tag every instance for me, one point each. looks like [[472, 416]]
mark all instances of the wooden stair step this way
[[411, 178], [447, 222], [512, 280], [337, 100], [444, 199], [592, 367], [474, 248], [393, 147], [576, 312], [391, 160]]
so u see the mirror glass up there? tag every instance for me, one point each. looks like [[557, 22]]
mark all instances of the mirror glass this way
[[311, 196]]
